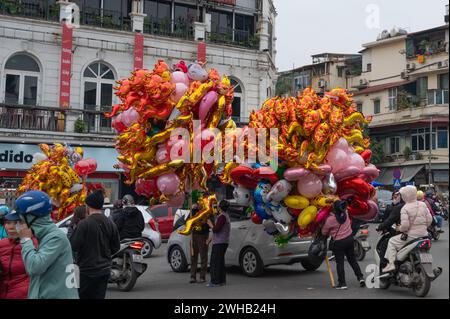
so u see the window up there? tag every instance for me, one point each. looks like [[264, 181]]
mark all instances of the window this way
[[22, 74], [359, 107], [395, 145], [245, 23], [340, 71], [422, 88], [369, 67], [302, 82], [393, 99], [443, 81], [221, 22], [420, 139], [442, 137], [376, 107], [238, 95], [98, 95], [185, 14], [158, 9]]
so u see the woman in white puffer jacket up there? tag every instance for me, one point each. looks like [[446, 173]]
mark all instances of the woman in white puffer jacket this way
[[415, 219]]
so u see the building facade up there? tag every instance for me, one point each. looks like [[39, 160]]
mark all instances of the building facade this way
[[239, 38]]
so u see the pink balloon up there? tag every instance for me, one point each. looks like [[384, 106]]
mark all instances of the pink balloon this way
[[373, 212], [322, 170], [162, 155], [176, 201], [370, 173], [207, 103], [168, 184], [357, 161], [294, 174], [341, 144], [180, 77], [180, 90], [323, 214], [309, 186], [129, 117], [348, 172], [338, 159]]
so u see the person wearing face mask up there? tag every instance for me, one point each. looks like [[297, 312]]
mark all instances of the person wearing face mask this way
[[14, 280], [386, 226], [48, 264]]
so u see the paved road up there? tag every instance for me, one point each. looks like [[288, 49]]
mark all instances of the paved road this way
[[277, 282]]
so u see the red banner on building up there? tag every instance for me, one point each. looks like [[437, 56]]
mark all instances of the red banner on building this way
[[230, 2], [201, 52], [66, 67], [138, 51]]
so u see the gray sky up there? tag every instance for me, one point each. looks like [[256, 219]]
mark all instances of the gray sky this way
[[307, 27]]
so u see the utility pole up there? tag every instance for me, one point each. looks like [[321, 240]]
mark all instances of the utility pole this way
[[430, 173]]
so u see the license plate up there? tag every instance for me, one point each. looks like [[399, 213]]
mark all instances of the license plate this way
[[138, 258], [365, 244], [426, 258]]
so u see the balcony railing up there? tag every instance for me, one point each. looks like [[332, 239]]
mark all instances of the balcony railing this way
[[234, 37], [437, 97], [37, 9], [103, 18], [32, 118], [39, 118], [169, 28]]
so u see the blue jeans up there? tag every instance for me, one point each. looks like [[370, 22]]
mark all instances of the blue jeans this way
[[439, 220]]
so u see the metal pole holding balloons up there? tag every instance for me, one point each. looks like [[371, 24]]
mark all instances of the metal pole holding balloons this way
[[330, 272]]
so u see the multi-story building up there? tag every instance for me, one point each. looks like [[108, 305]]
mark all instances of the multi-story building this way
[[238, 34], [328, 70], [404, 86]]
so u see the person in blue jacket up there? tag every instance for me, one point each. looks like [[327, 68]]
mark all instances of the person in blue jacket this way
[[4, 210], [50, 266]]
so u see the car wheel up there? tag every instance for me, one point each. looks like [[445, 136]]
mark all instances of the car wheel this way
[[147, 249], [178, 260], [251, 263], [360, 253], [311, 265]]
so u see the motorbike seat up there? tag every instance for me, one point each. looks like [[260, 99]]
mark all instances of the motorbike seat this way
[[126, 240]]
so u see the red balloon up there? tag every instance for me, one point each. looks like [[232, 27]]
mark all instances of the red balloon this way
[[256, 219], [146, 187], [366, 155], [357, 207], [355, 186], [294, 212], [249, 178]]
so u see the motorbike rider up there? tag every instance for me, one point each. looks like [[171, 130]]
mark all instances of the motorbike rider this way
[[392, 220], [415, 219], [129, 220], [47, 265], [437, 219]]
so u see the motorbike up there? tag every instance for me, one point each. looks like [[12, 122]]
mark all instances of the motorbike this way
[[361, 243], [414, 266], [433, 231], [127, 264]]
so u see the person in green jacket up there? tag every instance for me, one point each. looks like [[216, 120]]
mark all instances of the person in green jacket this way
[[50, 266]]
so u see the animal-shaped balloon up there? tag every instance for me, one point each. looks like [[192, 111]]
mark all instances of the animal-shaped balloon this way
[[260, 199], [242, 196], [281, 214], [197, 73], [279, 191]]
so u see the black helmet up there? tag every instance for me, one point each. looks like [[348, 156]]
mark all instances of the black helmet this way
[[128, 200]]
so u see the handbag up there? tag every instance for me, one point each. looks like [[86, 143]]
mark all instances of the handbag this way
[[318, 248]]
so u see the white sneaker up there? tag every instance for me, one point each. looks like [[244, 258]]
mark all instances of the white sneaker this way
[[389, 268]]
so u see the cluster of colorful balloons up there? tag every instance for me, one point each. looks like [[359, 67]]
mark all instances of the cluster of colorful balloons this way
[[58, 171], [154, 105], [323, 157]]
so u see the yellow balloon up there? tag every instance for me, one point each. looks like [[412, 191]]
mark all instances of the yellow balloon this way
[[307, 216], [324, 201], [296, 202]]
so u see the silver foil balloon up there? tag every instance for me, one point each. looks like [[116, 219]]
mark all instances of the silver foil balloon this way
[[329, 185]]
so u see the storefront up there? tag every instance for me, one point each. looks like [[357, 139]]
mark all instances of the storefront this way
[[16, 160]]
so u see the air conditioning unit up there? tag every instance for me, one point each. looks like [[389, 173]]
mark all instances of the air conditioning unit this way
[[442, 64], [404, 75], [322, 83], [411, 66], [363, 82]]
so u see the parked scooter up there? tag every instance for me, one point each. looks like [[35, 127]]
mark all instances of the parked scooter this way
[[361, 242], [413, 266], [127, 264]]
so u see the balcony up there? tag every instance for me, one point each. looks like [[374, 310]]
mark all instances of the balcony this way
[[48, 119], [437, 97], [103, 18], [169, 28], [234, 37], [35, 9]]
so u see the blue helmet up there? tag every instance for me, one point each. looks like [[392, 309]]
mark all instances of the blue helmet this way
[[4, 210], [35, 203], [12, 216]]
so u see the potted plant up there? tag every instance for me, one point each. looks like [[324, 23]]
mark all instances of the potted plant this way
[[407, 153], [79, 125]]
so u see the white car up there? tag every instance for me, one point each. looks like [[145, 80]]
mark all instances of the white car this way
[[250, 248], [150, 236]]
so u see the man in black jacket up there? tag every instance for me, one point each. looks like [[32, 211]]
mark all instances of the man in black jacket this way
[[386, 225], [94, 241], [129, 220]]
